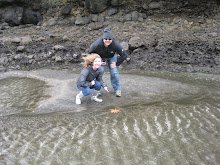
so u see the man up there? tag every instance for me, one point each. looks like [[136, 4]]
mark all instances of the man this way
[[108, 48]]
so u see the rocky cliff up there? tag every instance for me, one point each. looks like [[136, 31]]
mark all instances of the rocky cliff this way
[[174, 35]]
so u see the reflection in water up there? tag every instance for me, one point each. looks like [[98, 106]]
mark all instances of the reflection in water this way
[[168, 130]]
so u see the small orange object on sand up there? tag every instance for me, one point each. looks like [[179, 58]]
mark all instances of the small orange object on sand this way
[[114, 110]]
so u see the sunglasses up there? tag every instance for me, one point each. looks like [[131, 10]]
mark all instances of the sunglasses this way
[[107, 39]]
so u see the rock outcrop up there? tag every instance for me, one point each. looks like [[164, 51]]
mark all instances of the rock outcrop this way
[[162, 35]]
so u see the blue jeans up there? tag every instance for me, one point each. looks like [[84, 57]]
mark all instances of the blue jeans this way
[[87, 90], [113, 71]]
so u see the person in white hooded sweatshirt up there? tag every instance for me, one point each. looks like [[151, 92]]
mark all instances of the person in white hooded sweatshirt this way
[[90, 78]]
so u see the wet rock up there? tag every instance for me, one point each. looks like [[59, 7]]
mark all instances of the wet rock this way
[[95, 25], [50, 54], [20, 48], [18, 56], [13, 15], [155, 5], [66, 10], [58, 58], [51, 22], [202, 21], [189, 68], [26, 40], [16, 40], [145, 6], [30, 56], [94, 18], [36, 6], [142, 15], [186, 22], [134, 16], [2, 2], [58, 47], [96, 6], [4, 26], [24, 61], [3, 61], [112, 11], [128, 17], [82, 21], [125, 45], [213, 34], [140, 19], [117, 2], [40, 39], [45, 5], [135, 42], [76, 56], [32, 17], [101, 19], [150, 41], [47, 32], [65, 38]]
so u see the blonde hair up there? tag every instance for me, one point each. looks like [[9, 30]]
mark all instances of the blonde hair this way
[[89, 58]]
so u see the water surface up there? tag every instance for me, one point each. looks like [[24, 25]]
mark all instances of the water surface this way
[[165, 118]]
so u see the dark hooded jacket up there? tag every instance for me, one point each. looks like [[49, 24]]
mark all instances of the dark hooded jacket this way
[[108, 52], [87, 75]]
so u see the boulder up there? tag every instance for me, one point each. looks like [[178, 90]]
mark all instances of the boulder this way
[[155, 5], [96, 6], [8, 2], [66, 10], [135, 42], [112, 11], [150, 41], [13, 16], [134, 16], [128, 17], [82, 21], [117, 2], [16, 40], [3, 60], [31, 17], [20, 48], [26, 40], [124, 45]]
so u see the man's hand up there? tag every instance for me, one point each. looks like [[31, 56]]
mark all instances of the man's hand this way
[[113, 65], [93, 82], [104, 63]]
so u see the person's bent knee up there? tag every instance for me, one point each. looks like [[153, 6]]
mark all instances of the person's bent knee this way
[[98, 88], [97, 85], [87, 92]]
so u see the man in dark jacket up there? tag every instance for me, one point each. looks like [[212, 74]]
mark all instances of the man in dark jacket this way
[[108, 48]]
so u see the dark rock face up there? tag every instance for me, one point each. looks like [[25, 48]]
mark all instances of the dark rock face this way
[[13, 15], [2, 2], [8, 2], [31, 17], [163, 35], [17, 15], [96, 6]]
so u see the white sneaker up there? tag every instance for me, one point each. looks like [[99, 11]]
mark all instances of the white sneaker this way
[[78, 101], [94, 98]]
